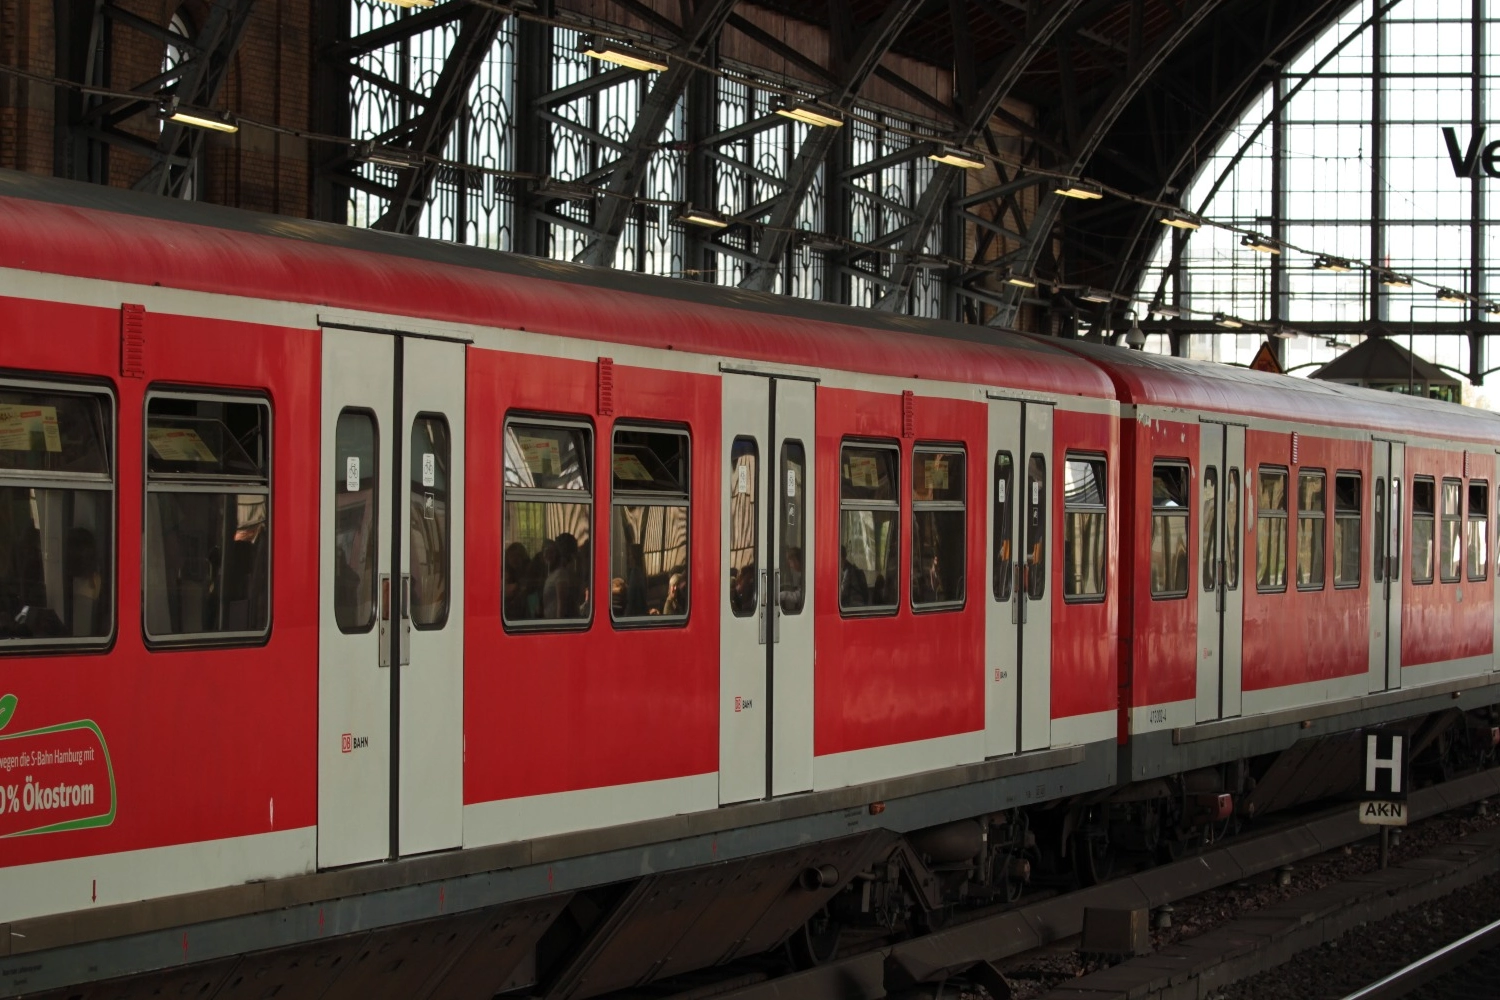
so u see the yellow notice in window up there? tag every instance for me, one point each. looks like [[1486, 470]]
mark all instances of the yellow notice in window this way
[[542, 455], [935, 472], [629, 467], [178, 444], [864, 471], [29, 428]]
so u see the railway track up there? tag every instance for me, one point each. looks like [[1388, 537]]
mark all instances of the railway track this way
[[968, 951], [1467, 969]]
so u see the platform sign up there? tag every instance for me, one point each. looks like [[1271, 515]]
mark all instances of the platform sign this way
[[1386, 780]]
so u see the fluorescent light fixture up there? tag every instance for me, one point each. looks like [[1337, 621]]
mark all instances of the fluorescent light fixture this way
[[812, 113], [1391, 279], [203, 119], [1020, 280], [1227, 322], [1180, 220], [410, 3], [1082, 190], [621, 55], [1335, 342], [701, 217], [1284, 332], [1449, 295], [1259, 244], [1492, 308], [388, 156], [1327, 263], [1164, 309], [1088, 294], [955, 157]]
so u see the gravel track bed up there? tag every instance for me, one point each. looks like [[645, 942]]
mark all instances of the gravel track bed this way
[[1035, 973]]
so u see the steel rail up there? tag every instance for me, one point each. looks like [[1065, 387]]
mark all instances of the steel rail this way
[[1424, 970]]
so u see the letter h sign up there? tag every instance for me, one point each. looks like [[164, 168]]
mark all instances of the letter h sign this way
[[1385, 767]]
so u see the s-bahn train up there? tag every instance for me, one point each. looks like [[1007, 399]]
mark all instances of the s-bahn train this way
[[322, 548]]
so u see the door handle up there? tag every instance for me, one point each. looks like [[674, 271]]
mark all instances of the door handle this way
[[405, 619], [765, 599], [383, 623], [774, 596]]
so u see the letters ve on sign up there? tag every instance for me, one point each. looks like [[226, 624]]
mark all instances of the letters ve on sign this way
[[1466, 162]]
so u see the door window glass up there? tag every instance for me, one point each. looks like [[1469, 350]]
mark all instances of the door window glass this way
[[1423, 513], [1451, 549], [1209, 544], [869, 512], [939, 517], [1377, 560], [56, 518], [431, 530], [208, 498], [1004, 523], [1170, 514], [1348, 528], [1270, 530], [1036, 527], [792, 489], [1232, 530], [1311, 512], [744, 526], [1085, 490], [1476, 551], [548, 518], [356, 504], [649, 526]]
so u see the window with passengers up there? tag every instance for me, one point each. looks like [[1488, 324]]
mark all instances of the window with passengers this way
[[938, 519], [648, 541], [1169, 529], [869, 527], [56, 514], [549, 511], [208, 495]]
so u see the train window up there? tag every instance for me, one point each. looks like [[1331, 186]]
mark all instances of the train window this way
[[1477, 530], [1209, 545], [548, 515], [431, 531], [648, 542], [1170, 514], [208, 496], [869, 515], [56, 518], [1378, 558], [1450, 552], [1232, 530], [1004, 523], [1348, 528], [744, 526], [792, 582], [1270, 530], [1423, 512], [1036, 527], [356, 505], [1085, 490], [938, 520], [1312, 503]]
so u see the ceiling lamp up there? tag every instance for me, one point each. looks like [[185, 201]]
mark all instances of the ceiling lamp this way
[[219, 121], [1259, 244], [1164, 309], [1082, 190], [701, 217], [1449, 295], [1178, 219], [1492, 308], [1327, 263], [955, 157], [1227, 322], [1020, 280], [388, 156], [1391, 279], [621, 55], [1088, 294], [1284, 332], [410, 3], [811, 113]]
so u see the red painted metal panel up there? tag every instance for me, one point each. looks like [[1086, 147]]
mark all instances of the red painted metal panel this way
[[1445, 621], [902, 677], [204, 743], [1084, 645], [1298, 636], [558, 711]]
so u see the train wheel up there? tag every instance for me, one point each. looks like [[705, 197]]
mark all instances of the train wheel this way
[[816, 941]]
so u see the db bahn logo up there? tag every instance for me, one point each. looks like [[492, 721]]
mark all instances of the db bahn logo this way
[[348, 743], [53, 778]]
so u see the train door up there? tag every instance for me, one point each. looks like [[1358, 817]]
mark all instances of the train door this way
[[766, 616], [1387, 467], [1223, 494], [390, 666], [1018, 619]]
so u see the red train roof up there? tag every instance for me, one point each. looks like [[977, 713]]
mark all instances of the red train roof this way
[[68, 228], [1157, 380]]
